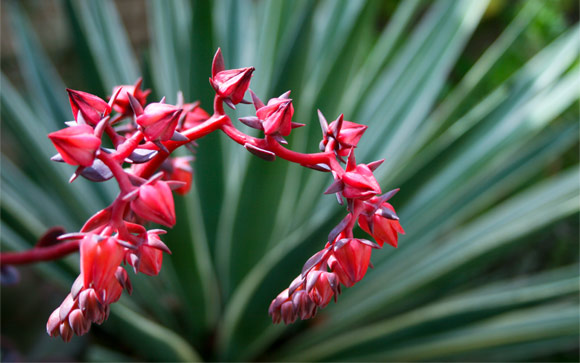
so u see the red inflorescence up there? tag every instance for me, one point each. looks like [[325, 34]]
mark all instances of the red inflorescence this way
[[144, 136]]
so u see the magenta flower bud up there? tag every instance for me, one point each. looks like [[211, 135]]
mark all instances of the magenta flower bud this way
[[288, 313], [350, 262], [91, 107], [65, 331], [360, 183], [232, 83], [90, 306], [275, 306], [276, 116], [159, 121], [79, 324], [303, 304], [53, 324], [122, 104], [155, 203], [383, 229], [77, 144]]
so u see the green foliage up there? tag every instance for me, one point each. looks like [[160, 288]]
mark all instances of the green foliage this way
[[479, 131]]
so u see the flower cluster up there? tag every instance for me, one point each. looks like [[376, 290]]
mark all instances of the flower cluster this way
[[143, 137], [345, 259], [116, 235]]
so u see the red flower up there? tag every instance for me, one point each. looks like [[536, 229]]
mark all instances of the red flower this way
[[360, 183], [91, 107], [383, 229], [122, 103], [77, 144], [350, 261], [155, 203], [100, 257], [340, 135], [276, 116], [100, 283], [149, 256], [231, 84], [159, 121]]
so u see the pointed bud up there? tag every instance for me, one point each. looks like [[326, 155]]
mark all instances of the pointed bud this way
[[277, 116], [155, 203], [77, 145], [360, 183], [91, 108], [232, 84], [159, 121]]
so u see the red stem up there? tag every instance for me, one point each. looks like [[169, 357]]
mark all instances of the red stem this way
[[39, 253], [210, 125], [118, 172], [219, 120]]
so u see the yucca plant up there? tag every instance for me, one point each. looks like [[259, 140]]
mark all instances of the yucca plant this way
[[486, 159]]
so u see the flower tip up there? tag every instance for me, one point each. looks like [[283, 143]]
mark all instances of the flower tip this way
[[218, 63]]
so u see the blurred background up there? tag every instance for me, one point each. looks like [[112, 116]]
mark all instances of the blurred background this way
[[473, 104]]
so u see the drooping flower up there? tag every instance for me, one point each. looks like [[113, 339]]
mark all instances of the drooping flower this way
[[321, 286], [91, 107], [77, 144], [148, 257], [381, 225], [303, 305], [159, 121], [155, 203], [100, 257], [350, 261], [99, 284]]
